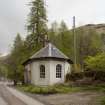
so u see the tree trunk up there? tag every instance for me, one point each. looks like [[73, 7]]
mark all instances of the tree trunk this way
[[15, 82]]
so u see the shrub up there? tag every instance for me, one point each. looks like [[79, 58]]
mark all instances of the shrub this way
[[86, 78], [96, 63], [89, 73], [103, 101], [74, 76]]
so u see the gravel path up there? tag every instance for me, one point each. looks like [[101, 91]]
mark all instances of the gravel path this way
[[78, 98]]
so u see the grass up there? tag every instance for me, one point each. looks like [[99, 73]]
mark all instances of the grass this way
[[98, 88], [59, 89], [48, 90], [101, 100]]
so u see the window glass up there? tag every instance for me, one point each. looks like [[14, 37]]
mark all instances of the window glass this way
[[58, 71], [42, 71]]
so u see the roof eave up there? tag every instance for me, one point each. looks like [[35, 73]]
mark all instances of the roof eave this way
[[47, 58]]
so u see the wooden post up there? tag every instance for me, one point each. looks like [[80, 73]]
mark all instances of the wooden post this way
[[75, 45]]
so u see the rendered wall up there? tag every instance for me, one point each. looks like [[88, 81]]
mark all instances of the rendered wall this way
[[35, 73], [65, 70], [50, 72]]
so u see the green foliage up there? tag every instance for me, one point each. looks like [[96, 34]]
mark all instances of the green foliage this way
[[14, 61], [36, 27], [60, 36], [86, 78], [102, 100], [48, 90], [97, 88], [60, 89], [30, 46], [3, 69], [96, 62], [89, 42], [37, 19], [22, 50], [103, 38]]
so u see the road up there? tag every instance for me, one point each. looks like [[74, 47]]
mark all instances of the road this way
[[7, 98], [2, 102]]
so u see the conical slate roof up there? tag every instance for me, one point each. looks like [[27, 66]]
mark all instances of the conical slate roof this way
[[49, 51]]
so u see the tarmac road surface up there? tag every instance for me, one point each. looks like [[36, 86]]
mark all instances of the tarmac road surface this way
[[2, 102], [7, 98]]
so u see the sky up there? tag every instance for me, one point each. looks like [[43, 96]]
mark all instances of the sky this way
[[13, 16]]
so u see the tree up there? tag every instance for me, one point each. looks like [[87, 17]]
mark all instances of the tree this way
[[96, 63], [89, 43], [103, 37], [65, 39], [15, 59], [63, 27], [3, 69], [37, 27], [103, 41], [62, 37], [53, 32]]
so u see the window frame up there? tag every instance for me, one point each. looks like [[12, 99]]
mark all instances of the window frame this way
[[58, 71], [42, 72]]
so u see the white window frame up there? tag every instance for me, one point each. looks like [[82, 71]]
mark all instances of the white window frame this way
[[42, 71], [58, 71]]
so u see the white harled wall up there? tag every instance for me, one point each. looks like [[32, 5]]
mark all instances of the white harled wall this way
[[35, 71], [50, 72], [65, 70]]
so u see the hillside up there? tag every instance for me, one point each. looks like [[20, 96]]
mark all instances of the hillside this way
[[100, 28]]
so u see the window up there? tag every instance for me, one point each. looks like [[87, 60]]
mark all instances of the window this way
[[42, 71], [58, 71]]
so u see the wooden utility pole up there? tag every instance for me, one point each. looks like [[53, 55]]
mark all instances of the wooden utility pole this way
[[75, 45]]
